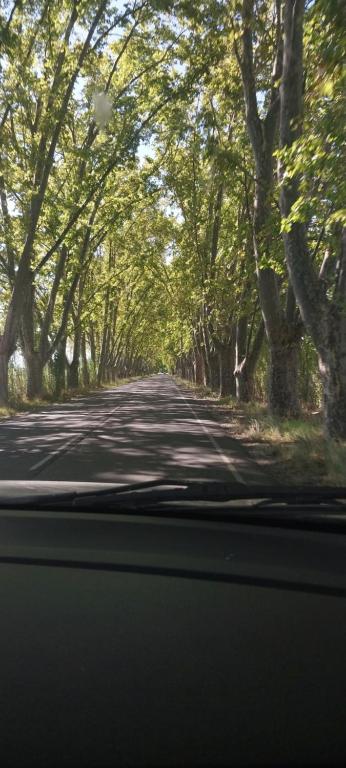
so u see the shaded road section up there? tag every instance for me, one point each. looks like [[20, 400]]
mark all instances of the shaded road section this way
[[149, 429]]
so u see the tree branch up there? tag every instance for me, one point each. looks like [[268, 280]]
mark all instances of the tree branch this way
[[96, 187], [248, 77]]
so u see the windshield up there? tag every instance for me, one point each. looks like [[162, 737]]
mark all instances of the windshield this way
[[172, 245]]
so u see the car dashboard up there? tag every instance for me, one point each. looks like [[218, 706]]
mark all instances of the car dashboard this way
[[146, 641]]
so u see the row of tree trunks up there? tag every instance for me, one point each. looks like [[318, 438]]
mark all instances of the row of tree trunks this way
[[228, 368], [65, 374], [322, 303], [185, 367], [36, 338]]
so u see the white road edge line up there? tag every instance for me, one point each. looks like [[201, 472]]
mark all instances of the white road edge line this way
[[236, 474], [51, 456]]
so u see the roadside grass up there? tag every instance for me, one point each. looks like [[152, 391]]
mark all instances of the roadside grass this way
[[290, 451], [198, 389], [119, 382], [6, 412], [21, 404]]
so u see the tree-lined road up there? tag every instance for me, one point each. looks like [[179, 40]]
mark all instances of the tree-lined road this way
[[148, 429]]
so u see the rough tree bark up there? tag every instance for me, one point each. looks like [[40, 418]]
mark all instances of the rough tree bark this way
[[85, 367], [226, 351], [92, 342], [4, 360], [199, 370], [213, 376], [247, 358], [73, 366], [199, 366], [101, 372], [211, 362], [34, 367], [60, 367]]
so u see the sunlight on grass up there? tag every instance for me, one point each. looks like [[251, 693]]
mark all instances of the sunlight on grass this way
[[6, 412], [285, 430], [301, 448], [198, 389]]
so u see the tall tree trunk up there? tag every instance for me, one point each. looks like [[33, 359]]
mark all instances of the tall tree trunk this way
[[205, 366], [242, 389], [199, 367], [92, 343], [334, 395], [247, 358], [33, 358], [211, 359], [85, 367], [101, 373], [205, 349], [282, 333], [283, 376], [60, 367], [73, 367], [34, 367], [226, 352], [73, 374], [262, 133], [4, 360], [214, 371], [199, 361], [190, 365]]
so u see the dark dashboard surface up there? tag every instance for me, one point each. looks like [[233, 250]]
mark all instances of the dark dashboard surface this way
[[153, 642]]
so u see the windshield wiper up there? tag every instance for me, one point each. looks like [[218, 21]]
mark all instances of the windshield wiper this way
[[45, 499], [139, 496]]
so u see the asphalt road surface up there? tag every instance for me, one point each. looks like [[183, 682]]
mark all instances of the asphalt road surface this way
[[149, 429]]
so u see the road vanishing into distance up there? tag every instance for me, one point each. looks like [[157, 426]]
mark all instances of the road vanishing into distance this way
[[146, 430]]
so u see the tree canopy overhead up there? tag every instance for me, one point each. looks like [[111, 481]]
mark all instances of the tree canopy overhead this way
[[172, 193]]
